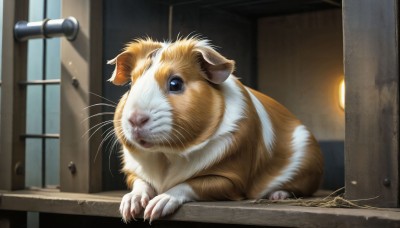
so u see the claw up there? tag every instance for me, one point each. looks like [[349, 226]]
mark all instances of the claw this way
[[160, 206], [132, 204]]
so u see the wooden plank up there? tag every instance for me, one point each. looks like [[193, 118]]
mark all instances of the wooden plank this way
[[13, 99], [81, 76], [243, 212], [371, 55]]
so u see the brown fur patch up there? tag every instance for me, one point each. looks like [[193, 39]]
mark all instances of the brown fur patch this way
[[249, 168]]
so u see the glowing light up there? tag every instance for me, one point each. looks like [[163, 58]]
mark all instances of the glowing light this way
[[342, 94]]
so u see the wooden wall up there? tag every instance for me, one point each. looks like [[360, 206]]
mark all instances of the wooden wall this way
[[371, 45], [300, 64], [300, 60]]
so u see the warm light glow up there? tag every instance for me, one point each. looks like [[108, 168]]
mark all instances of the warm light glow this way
[[342, 94]]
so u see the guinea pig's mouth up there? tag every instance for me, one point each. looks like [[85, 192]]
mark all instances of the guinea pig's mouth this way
[[140, 137], [144, 144]]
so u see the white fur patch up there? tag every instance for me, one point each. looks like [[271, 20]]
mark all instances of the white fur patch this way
[[147, 97], [148, 166], [235, 105], [266, 124], [300, 140]]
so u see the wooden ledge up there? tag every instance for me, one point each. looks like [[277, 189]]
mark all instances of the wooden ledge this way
[[244, 212]]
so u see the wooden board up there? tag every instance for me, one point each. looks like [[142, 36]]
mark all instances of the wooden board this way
[[371, 55], [243, 212], [80, 77], [13, 99]]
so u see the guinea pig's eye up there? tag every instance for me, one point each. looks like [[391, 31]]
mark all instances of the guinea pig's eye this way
[[175, 84]]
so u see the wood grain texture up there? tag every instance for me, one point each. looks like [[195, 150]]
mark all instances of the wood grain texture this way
[[81, 63], [300, 64], [13, 99], [371, 54], [242, 212]]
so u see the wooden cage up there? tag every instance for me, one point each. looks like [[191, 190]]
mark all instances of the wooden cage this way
[[371, 141]]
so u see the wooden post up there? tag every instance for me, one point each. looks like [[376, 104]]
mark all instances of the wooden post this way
[[13, 99], [371, 54], [81, 75]]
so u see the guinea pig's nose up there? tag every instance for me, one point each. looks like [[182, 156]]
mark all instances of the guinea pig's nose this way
[[138, 119]]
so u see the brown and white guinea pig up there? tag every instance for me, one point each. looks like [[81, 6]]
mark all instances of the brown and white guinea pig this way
[[191, 131]]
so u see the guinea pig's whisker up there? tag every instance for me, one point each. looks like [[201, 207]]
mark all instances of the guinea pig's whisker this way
[[115, 139], [110, 133], [169, 137], [112, 143], [177, 137], [97, 114], [106, 134], [155, 111], [183, 129], [98, 126], [157, 128], [106, 131], [100, 104], [158, 118], [166, 139], [97, 95], [175, 130], [162, 120]]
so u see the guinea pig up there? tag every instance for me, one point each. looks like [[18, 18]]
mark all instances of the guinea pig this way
[[191, 131]]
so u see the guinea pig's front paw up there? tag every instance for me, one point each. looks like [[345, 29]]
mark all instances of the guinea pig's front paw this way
[[133, 203], [130, 206], [160, 206], [279, 195]]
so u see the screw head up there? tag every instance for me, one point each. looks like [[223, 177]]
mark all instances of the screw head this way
[[75, 82], [386, 182], [19, 169], [72, 167]]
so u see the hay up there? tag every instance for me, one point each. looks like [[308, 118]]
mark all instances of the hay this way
[[331, 201]]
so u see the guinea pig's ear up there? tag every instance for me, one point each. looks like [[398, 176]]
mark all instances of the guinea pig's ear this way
[[216, 66], [123, 68]]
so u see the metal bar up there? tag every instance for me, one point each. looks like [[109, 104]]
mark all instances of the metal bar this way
[[68, 27], [44, 77], [41, 82], [41, 136], [170, 21]]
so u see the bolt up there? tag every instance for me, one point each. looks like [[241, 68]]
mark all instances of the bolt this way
[[19, 168], [72, 167], [386, 182], [75, 82]]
